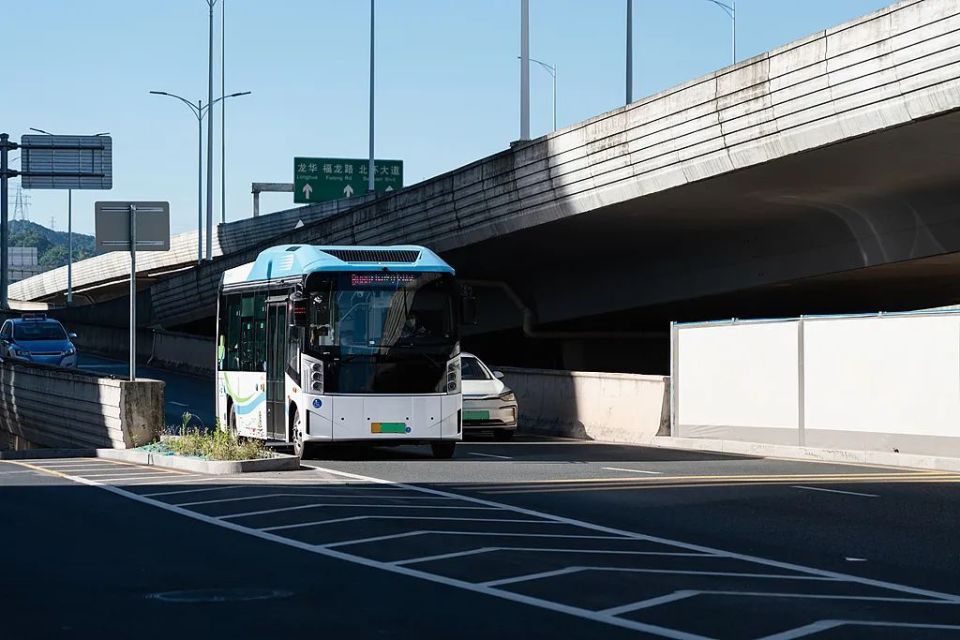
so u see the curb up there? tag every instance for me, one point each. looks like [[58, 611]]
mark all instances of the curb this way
[[280, 461], [843, 456]]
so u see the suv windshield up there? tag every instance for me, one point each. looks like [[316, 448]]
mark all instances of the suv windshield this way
[[385, 332], [30, 331], [470, 369]]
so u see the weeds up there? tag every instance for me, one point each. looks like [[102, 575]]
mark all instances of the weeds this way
[[214, 445]]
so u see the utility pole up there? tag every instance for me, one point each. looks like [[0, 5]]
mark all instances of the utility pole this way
[[223, 111], [5, 147], [524, 69], [629, 51], [210, 124], [371, 167]]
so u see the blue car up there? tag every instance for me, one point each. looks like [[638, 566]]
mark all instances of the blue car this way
[[36, 338]]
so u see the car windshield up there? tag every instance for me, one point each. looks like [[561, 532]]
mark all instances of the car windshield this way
[[471, 369], [37, 331]]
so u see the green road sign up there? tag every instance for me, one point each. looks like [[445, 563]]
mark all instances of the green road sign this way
[[323, 179]]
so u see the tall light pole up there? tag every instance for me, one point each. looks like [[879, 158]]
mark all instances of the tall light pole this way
[[210, 123], [69, 227], [552, 70], [223, 111], [198, 111], [371, 167], [731, 10], [524, 69], [629, 51]]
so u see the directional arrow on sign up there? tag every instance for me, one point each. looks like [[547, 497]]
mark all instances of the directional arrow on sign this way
[[347, 191], [307, 190]]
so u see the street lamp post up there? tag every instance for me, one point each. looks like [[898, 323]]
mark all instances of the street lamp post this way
[[371, 173], [552, 70], [210, 105], [629, 51], [69, 228], [198, 111], [731, 10]]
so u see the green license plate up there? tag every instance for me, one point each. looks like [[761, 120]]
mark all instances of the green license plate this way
[[476, 416]]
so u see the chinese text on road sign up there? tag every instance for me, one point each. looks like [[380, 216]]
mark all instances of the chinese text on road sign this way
[[323, 179]]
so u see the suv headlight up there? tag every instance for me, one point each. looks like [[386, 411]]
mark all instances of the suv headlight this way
[[17, 352], [70, 351], [508, 396]]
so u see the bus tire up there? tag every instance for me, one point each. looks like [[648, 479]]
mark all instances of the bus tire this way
[[299, 447], [232, 420], [443, 450]]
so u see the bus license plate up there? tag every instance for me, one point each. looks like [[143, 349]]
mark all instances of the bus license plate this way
[[476, 415], [388, 427]]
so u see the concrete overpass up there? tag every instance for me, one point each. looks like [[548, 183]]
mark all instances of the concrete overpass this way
[[821, 176]]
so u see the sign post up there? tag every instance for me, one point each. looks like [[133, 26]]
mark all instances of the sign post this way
[[51, 162], [120, 228], [325, 179]]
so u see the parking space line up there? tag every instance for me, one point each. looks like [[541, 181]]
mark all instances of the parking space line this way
[[170, 493], [298, 525], [826, 625], [332, 550], [684, 572], [848, 493], [445, 556], [621, 533], [652, 602], [130, 476], [441, 532], [308, 495], [488, 455], [553, 550], [366, 506], [652, 473], [9, 473]]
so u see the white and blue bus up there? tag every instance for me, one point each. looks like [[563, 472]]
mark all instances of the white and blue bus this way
[[335, 344]]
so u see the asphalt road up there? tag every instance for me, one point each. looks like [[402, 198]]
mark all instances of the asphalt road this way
[[531, 539]]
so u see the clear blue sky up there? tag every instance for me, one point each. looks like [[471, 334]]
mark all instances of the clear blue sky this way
[[447, 79]]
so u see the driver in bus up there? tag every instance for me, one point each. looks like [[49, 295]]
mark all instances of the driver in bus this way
[[412, 328]]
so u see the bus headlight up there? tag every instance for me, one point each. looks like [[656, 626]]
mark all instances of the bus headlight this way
[[453, 376], [312, 376]]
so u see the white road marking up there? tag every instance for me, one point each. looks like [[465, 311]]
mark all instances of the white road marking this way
[[488, 455], [329, 551], [10, 473], [652, 602], [621, 533], [438, 532], [338, 504], [171, 493], [826, 625], [298, 525], [848, 493], [855, 559], [445, 556], [671, 572], [308, 495], [129, 476], [652, 473]]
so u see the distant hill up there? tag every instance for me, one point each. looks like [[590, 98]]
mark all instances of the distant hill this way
[[51, 245]]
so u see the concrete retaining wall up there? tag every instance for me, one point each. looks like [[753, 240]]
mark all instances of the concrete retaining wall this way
[[53, 407], [613, 407], [183, 352]]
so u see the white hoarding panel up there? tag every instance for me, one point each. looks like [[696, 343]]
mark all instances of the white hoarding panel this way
[[738, 375], [883, 375]]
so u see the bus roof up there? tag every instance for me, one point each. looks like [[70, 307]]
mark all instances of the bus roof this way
[[291, 260]]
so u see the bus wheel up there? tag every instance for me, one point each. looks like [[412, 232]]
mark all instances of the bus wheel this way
[[443, 450], [232, 421], [299, 448]]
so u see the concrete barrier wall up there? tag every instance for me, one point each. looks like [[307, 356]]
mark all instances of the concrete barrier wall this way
[[62, 408], [183, 352], [883, 383], [613, 407]]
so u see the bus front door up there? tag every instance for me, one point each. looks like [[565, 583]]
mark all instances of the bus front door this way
[[276, 353]]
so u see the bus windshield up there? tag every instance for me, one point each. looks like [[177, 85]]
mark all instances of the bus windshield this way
[[389, 332]]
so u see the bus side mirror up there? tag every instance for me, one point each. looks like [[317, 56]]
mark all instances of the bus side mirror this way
[[468, 310], [298, 310]]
